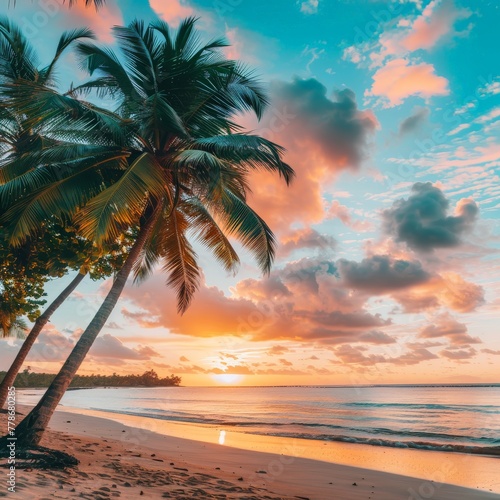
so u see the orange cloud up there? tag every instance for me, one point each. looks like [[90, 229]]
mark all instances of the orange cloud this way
[[399, 79], [220, 315], [304, 301], [445, 326], [447, 289], [322, 136]]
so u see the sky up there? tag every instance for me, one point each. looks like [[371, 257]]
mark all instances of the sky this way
[[387, 269]]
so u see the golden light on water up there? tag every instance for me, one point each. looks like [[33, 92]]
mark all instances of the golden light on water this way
[[222, 437]]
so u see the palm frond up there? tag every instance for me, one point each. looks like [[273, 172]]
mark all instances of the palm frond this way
[[67, 38], [43, 193], [180, 260], [120, 205], [142, 54], [248, 150], [17, 57], [209, 233], [159, 121], [250, 229]]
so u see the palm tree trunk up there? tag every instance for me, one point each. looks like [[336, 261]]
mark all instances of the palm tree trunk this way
[[41, 321], [30, 431]]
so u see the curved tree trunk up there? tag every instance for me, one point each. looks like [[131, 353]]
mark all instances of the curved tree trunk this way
[[41, 321], [30, 431]]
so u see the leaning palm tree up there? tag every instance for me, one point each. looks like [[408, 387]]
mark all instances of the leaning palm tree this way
[[31, 337], [18, 136], [170, 161]]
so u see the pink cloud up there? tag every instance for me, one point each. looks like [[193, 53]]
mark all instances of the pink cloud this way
[[245, 45], [447, 289], [171, 11], [445, 326], [399, 79], [341, 212], [307, 238], [79, 15], [334, 132], [436, 21]]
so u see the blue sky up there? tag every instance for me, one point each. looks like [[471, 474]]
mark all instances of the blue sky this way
[[389, 112]]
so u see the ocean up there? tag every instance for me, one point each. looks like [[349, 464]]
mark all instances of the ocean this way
[[447, 418]]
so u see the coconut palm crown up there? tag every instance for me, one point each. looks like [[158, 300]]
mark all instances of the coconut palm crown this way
[[171, 146]]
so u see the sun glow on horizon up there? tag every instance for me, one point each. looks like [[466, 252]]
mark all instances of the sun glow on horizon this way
[[228, 378]]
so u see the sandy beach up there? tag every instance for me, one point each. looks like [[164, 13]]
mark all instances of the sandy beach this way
[[124, 461]]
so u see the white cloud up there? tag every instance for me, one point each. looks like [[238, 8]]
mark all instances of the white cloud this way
[[494, 113], [309, 6], [455, 131]]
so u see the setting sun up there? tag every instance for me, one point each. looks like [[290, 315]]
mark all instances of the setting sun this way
[[228, 378]]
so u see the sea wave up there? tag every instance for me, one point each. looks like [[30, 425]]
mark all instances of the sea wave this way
[[399, 438], [418, 445], [428, 406]]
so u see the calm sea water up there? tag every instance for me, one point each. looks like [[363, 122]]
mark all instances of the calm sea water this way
[[447, 418]]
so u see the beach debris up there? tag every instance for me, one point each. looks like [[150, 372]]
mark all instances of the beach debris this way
[[354, 484], [261, 472]]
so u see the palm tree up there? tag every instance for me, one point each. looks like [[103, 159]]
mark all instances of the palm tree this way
[[40, 323], [18, 136], [170, 162]]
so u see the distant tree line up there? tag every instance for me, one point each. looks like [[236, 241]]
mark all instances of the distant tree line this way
[[149, 378]]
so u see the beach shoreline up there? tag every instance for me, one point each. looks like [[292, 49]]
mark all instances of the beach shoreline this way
[[110, 451]]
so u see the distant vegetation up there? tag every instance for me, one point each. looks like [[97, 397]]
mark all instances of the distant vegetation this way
[[147, 379]]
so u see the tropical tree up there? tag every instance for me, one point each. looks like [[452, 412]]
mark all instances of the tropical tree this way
[[17, 327], [170, 162], [21, 287], [56, 248]]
